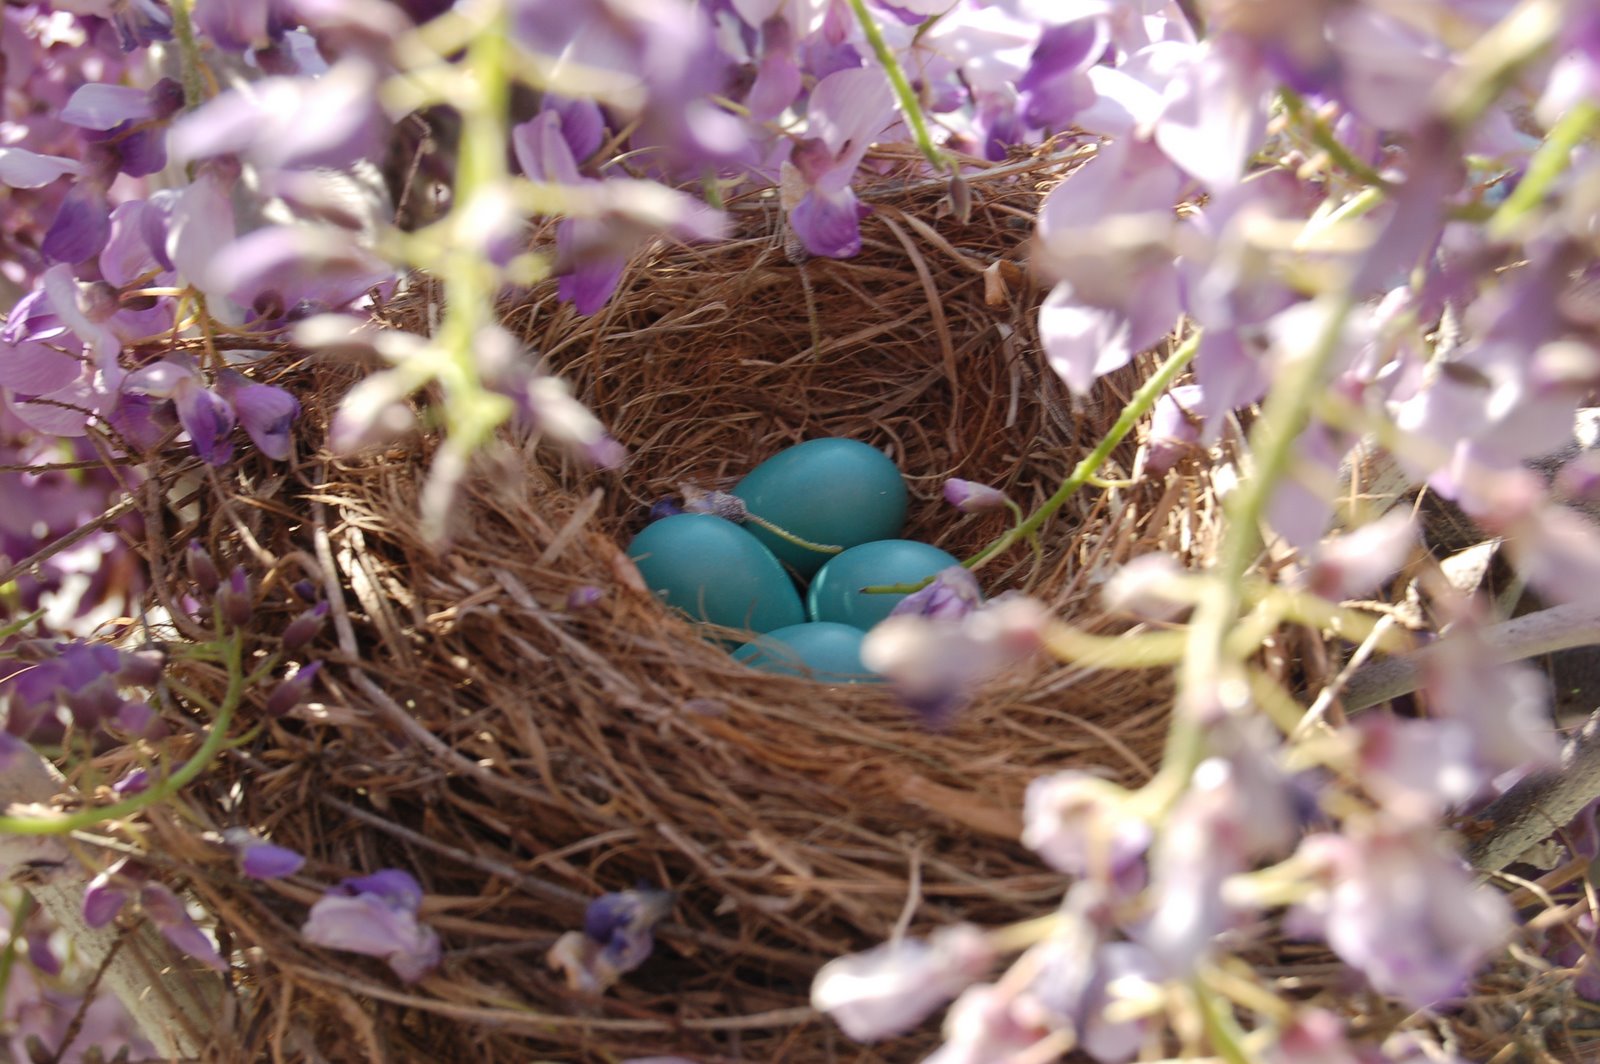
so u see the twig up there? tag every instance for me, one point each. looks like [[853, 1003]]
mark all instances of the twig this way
[[1540, 804], [1575, 624]]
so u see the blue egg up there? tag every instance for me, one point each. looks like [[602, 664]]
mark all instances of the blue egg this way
[[715, 571], [830, 491], [828, 653], [835, 593]]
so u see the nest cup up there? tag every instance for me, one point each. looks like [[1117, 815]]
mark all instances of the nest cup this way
[[522, 757]]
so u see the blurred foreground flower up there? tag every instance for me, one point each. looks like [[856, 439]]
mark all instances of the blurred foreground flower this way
[[376, 915], [617, 937], [936, 666], [891, 988]]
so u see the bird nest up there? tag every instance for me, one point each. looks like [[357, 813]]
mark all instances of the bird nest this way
[[522, 756]]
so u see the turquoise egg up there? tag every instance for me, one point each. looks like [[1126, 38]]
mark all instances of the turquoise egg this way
[[835, 593], [832, 491], [829, 653], [715, 571]]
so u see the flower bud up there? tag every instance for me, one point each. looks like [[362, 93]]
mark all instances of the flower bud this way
[[236, 598], [202, 570], [584, 597], [304, 628], [290, 693], [970, 497]]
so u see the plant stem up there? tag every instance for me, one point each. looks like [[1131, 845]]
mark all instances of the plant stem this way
[[1323, 138], [1207, 673], [162, 789], [909, 105], [1142, 401], [1548, 163], [189, 49]]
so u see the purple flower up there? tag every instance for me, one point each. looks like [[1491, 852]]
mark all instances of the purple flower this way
[[985, 1026], [279, 269], [241, 25], [970, 497], [202, 570], [260, 859], [205, 416], [21, 168], [376, 916], [1083, 825], [1357, 562], [953, 594], [171, 917], [617, 937], [584, 597], [107, 893], [1214, 114], [290, 122], [936, 666], [236, 598], [289, 694], [266, 411], [891, 988], [1396, 906], [847, 111], [304, 628], [134, 782]]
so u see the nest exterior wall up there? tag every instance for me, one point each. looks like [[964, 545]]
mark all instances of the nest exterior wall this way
[[522, 758]]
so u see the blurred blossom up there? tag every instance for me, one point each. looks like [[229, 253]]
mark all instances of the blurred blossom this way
[[171, 917], [1418, 769], [1506, 707], [290, 122], [1313, 1036], [970, 497], [291, 693], [107, 892], [1399, 908], [1575, 946], [236, 598], [376, 915], [266, 411], [936, 666], [1148, 587], [1174, 430], [1237, 809], [260, 859], [1080, 972], [202, 570], [847, 111], [241, 25], [134, 782], [953, 594], [617, 937], [373, 412], [890, 989], [1083, 825], [584, 597], [1214, 113], [304, 628], [982, 1028], [288, 271], [1357, 563]]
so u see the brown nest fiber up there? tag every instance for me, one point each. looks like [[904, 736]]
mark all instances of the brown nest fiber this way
[[521, 757]]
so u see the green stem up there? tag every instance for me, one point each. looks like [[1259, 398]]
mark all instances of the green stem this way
[[1137, 407], [790, 537], [1083, 473], [194, 89], [1548, 163], [1204, 670], [162, 789], [909, 105], [1323, 138]]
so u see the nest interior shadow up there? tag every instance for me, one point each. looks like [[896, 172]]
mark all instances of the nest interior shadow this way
[[522, 757]]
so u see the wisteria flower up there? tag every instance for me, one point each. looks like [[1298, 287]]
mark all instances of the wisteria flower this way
[[848, 110], [891, 988], [617, 937], [376, 915], [1396, 906]]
